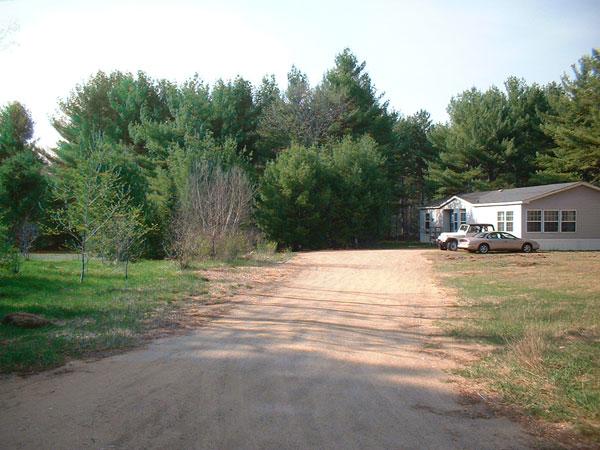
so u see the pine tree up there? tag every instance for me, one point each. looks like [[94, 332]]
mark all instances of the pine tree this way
[[575, 127]]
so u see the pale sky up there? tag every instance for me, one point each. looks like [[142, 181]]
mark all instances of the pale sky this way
[[420, 53]]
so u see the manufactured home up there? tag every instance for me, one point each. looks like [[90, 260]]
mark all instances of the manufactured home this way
[[563, 216]]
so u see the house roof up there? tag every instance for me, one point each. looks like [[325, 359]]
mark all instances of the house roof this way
[[522, 194], [515, 194]]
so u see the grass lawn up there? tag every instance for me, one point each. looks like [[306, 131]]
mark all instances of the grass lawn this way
[[542, 313], [103, 313]]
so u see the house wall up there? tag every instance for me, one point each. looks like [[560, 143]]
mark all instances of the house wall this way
[[584, 200], [436, 221], [489, 214], [454, 207], [440, 218]]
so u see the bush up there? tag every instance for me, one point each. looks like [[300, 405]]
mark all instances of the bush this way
[[232, 246], [215, 204], [10, 259], [335, 196], [266, 247]]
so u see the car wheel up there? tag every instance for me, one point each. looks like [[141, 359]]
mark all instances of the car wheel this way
[[452, 246], [484, 248], [527, 248]]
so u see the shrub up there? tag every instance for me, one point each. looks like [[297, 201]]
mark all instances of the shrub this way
[[266, 247], [232, 246], [10, 259]]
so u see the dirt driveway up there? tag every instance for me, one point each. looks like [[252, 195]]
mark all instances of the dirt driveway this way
[[333, 357]]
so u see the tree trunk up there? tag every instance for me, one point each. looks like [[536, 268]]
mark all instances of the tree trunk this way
[[82, 274]]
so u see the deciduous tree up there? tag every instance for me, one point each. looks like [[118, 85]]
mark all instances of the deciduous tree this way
[[89, 195]]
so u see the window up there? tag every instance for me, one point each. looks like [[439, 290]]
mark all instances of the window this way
[[427, 222], [510, 215], [553, 221], [500, 220], [463, 216], [550, 221], [534, 221], [568, 221], [505, 220]]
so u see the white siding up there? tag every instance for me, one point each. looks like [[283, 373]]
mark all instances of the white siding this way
[[440, 217], [489, 214], [436, 221]]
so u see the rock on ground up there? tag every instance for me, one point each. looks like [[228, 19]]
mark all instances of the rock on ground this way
[[25, 320]]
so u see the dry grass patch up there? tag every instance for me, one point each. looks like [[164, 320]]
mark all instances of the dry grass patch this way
[[542, 314]]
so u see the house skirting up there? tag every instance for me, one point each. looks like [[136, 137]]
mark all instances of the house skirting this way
[[569, 244]]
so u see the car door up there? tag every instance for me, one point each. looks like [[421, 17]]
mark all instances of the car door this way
[[510, 242], [494, 241]]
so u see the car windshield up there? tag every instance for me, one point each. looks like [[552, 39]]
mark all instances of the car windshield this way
[[481, 235]]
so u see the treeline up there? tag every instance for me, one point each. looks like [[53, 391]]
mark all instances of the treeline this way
[[330, 165]]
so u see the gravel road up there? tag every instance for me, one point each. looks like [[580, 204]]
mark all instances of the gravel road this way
[[332, 357]]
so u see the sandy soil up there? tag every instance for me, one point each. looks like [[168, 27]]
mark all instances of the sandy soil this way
[[333, 356]]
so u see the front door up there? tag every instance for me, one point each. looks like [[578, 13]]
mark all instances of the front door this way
[[447, 220]]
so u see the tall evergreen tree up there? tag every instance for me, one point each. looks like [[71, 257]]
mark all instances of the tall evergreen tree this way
[[16, 130], [492, 140], [410, 157], [23, 181], [234, 114], [575, 125], [108, 108], [268, 99], [527, 105], [335, 195], [301, 114], [108, 105], [365, 112]]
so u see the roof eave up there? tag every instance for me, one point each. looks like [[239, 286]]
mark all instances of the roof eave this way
[[454, 197], [513, 202], [564, 189]]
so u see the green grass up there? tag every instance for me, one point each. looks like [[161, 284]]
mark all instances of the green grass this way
[[104, 313], [542, 314]]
